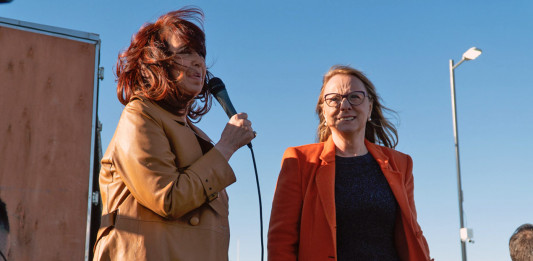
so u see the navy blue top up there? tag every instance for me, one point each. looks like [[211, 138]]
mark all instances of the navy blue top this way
[[365, 210]]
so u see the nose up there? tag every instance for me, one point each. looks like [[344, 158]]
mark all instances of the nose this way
[[198, 61], [345, 104]]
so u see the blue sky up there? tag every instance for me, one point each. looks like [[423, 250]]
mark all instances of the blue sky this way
[[272, 55]]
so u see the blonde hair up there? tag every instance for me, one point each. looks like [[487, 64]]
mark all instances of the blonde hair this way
[[379, 129]]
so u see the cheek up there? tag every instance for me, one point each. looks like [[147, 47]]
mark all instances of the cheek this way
[[179, 75], [366, 109], [176, 73], [329, 113]]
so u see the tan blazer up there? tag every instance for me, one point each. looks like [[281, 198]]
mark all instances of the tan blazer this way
[[303, 222], [163, 199]]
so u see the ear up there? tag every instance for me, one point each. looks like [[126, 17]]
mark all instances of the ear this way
[[370, 107]]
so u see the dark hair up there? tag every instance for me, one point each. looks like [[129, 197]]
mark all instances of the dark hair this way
[[4, 221], [145, 68], [379, 129], [521, 243]]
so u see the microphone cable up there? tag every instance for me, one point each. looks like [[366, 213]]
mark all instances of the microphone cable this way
[[260, 204], [218, 90]]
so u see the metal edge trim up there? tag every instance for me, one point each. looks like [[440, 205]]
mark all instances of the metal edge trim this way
[[93, 150], [50, 30]]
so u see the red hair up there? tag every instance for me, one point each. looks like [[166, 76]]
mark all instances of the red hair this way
[[145, 68]]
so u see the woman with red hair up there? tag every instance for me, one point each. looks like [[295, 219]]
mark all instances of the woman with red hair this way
[[162, 180]]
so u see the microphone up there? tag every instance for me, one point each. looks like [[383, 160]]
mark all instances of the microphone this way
[[218, 89]]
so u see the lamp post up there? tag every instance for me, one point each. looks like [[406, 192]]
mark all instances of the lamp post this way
[[465, 233]]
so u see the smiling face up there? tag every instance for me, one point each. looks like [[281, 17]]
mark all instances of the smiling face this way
[[190, 70], [346, 119]]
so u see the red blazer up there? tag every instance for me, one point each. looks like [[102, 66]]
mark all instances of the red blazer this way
[[303, 222]]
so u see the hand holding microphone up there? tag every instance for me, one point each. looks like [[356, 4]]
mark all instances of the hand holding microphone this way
[[238, 131]]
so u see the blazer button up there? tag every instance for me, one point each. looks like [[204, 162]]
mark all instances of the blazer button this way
[[194, 221]]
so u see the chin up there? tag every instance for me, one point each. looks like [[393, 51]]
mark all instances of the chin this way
[[351, 130], [192, 92]]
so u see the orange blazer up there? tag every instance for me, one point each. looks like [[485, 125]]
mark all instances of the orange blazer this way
[[303, 223]]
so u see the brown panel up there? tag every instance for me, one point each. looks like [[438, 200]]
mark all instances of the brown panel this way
[[46, 99]]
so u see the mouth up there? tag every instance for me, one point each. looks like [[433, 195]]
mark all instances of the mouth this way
[[346, 118], [195, 75]]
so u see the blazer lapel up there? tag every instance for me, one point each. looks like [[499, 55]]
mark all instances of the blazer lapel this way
[[325, 182], [394, 178]]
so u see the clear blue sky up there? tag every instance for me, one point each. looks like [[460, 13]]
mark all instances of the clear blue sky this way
[[272, 56]]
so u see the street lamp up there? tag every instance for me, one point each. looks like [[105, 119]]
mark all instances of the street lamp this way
[[465, 233]]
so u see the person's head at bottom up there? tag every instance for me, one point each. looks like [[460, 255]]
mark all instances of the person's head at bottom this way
[[4, 231], [521, 243]]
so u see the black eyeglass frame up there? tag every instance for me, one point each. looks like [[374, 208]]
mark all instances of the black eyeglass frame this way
[[342, 98]]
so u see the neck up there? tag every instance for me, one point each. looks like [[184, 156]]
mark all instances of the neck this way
[[184, 116], [347, 145]]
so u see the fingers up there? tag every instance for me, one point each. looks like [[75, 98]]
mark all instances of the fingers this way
[[241, 129], [241, 120], [241, 115], [237, 133]]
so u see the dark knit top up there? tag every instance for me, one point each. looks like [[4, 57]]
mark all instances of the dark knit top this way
[[365, 210]]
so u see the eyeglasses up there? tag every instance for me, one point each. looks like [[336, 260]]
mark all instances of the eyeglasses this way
[[354, 98]]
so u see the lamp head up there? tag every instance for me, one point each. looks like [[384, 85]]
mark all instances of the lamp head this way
[[471, 53]]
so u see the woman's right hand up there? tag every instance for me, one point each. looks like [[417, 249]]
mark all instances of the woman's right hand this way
[[237, 133]]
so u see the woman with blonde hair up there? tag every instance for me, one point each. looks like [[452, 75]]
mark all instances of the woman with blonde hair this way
[[346, 197]]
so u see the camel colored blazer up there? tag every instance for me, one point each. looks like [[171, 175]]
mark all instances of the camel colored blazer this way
[[163, 198], [303, 222]]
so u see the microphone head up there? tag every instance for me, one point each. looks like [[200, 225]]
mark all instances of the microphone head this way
[[215, 85]]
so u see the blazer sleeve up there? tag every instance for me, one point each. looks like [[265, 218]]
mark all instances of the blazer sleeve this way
[[284, 228], [410, 187], [145, 161]]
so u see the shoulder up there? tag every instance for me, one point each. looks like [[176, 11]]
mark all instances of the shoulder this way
[[392, 152], [307, 153], [389, 152], [141, 110], [142, 106], [395, 157], [139, 116], [307, 149]]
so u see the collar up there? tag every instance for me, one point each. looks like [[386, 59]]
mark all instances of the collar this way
[[164, 112], [328, 152]]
